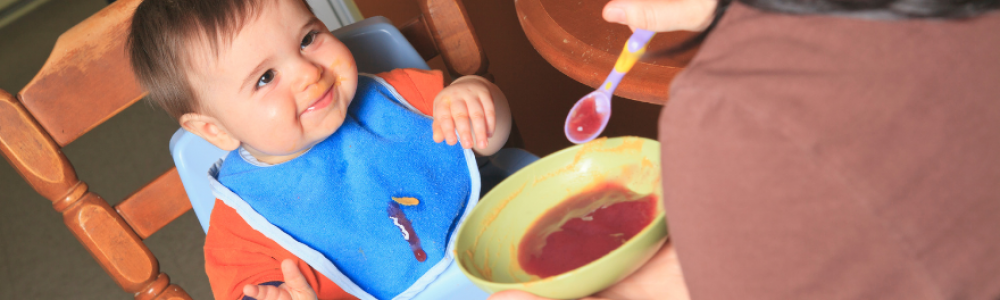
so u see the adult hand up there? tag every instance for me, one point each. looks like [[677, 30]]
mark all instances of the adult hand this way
[[660, 278], [661, 15], [295, 287]]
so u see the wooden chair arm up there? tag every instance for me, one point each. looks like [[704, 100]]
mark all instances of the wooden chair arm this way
[[155, 205], [32, 152]]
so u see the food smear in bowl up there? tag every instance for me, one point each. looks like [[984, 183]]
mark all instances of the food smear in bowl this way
[[583, 228]]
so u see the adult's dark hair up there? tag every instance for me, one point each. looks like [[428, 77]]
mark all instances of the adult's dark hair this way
[[880, 9], [869, 9]]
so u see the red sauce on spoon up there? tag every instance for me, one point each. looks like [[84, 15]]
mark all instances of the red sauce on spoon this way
[[585, 121]]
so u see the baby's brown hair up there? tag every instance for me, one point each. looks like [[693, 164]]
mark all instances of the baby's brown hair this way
[[162, 34]]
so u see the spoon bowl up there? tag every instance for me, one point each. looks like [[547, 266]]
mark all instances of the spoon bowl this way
[[588, 117]]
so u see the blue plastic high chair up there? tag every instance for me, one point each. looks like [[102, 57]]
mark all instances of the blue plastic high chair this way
[[377, 47]]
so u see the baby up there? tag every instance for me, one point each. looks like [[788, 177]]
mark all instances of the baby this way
[[337, 184]]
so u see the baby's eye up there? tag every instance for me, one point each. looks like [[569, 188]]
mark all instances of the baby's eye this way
[[308, 39], [265, 79]]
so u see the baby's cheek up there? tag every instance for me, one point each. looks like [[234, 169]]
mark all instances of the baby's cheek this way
[[291, 148]]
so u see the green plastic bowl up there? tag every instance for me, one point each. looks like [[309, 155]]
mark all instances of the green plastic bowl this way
[[487, 245]]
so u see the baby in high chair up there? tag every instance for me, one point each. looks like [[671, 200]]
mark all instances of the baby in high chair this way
[[337, 184]]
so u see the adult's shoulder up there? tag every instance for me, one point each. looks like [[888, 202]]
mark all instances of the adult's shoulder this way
[[818, 156], [809, 69]]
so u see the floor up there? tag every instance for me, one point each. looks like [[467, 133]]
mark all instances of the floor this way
[[40, 259]]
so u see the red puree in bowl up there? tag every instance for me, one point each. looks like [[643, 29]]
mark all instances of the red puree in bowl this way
[[585, 120], [592, 229]]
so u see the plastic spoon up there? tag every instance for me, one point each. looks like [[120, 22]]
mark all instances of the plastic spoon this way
[[589, 116]]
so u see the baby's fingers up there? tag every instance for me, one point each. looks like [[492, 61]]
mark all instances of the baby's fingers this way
[[295, 283], [460, 113], [489, 110], [436, 128], [444, 121], [480, 122], [266, 292]]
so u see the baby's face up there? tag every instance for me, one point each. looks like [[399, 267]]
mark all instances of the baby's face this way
[[281, 86]]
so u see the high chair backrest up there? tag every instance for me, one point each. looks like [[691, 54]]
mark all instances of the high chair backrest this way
[[87, 79]]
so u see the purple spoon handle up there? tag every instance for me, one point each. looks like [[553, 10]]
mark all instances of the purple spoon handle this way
[[633, 50]]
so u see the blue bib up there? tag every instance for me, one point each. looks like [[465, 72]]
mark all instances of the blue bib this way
[[336, 197]]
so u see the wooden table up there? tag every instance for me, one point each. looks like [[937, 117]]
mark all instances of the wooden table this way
[[573, 37]]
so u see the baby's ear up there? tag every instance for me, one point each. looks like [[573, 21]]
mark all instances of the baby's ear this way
[[210, 129]]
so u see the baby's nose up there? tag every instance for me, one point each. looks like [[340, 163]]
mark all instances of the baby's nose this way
[[308, 74]]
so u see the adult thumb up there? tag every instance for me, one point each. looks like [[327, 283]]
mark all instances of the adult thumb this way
[[515, 295], [295, 282], [661, 15]]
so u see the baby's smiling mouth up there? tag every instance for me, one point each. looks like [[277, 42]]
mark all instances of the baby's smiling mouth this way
[[324, 100]]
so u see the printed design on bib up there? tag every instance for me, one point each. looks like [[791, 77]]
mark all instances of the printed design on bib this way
[[409, 235]]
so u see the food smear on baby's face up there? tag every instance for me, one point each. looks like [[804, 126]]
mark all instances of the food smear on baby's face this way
[[399, 220], [585, 120], [597, 221]]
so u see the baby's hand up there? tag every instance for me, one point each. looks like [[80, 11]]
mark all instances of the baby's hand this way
[[294, 288], [465, 105]]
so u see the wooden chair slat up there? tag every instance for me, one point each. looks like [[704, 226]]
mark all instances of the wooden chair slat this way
[[420, 37], [32, 152], [155, 205], [455, 36], [87, 78]]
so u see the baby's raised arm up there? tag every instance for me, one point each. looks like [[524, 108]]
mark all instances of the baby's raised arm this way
[[477, 110]]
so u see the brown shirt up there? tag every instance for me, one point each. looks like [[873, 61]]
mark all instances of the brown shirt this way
[[819, 157]]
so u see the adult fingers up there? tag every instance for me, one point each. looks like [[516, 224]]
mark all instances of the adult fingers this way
[[295, 283], [661, 16], [659, 278], [514, 295], [460, 112]]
